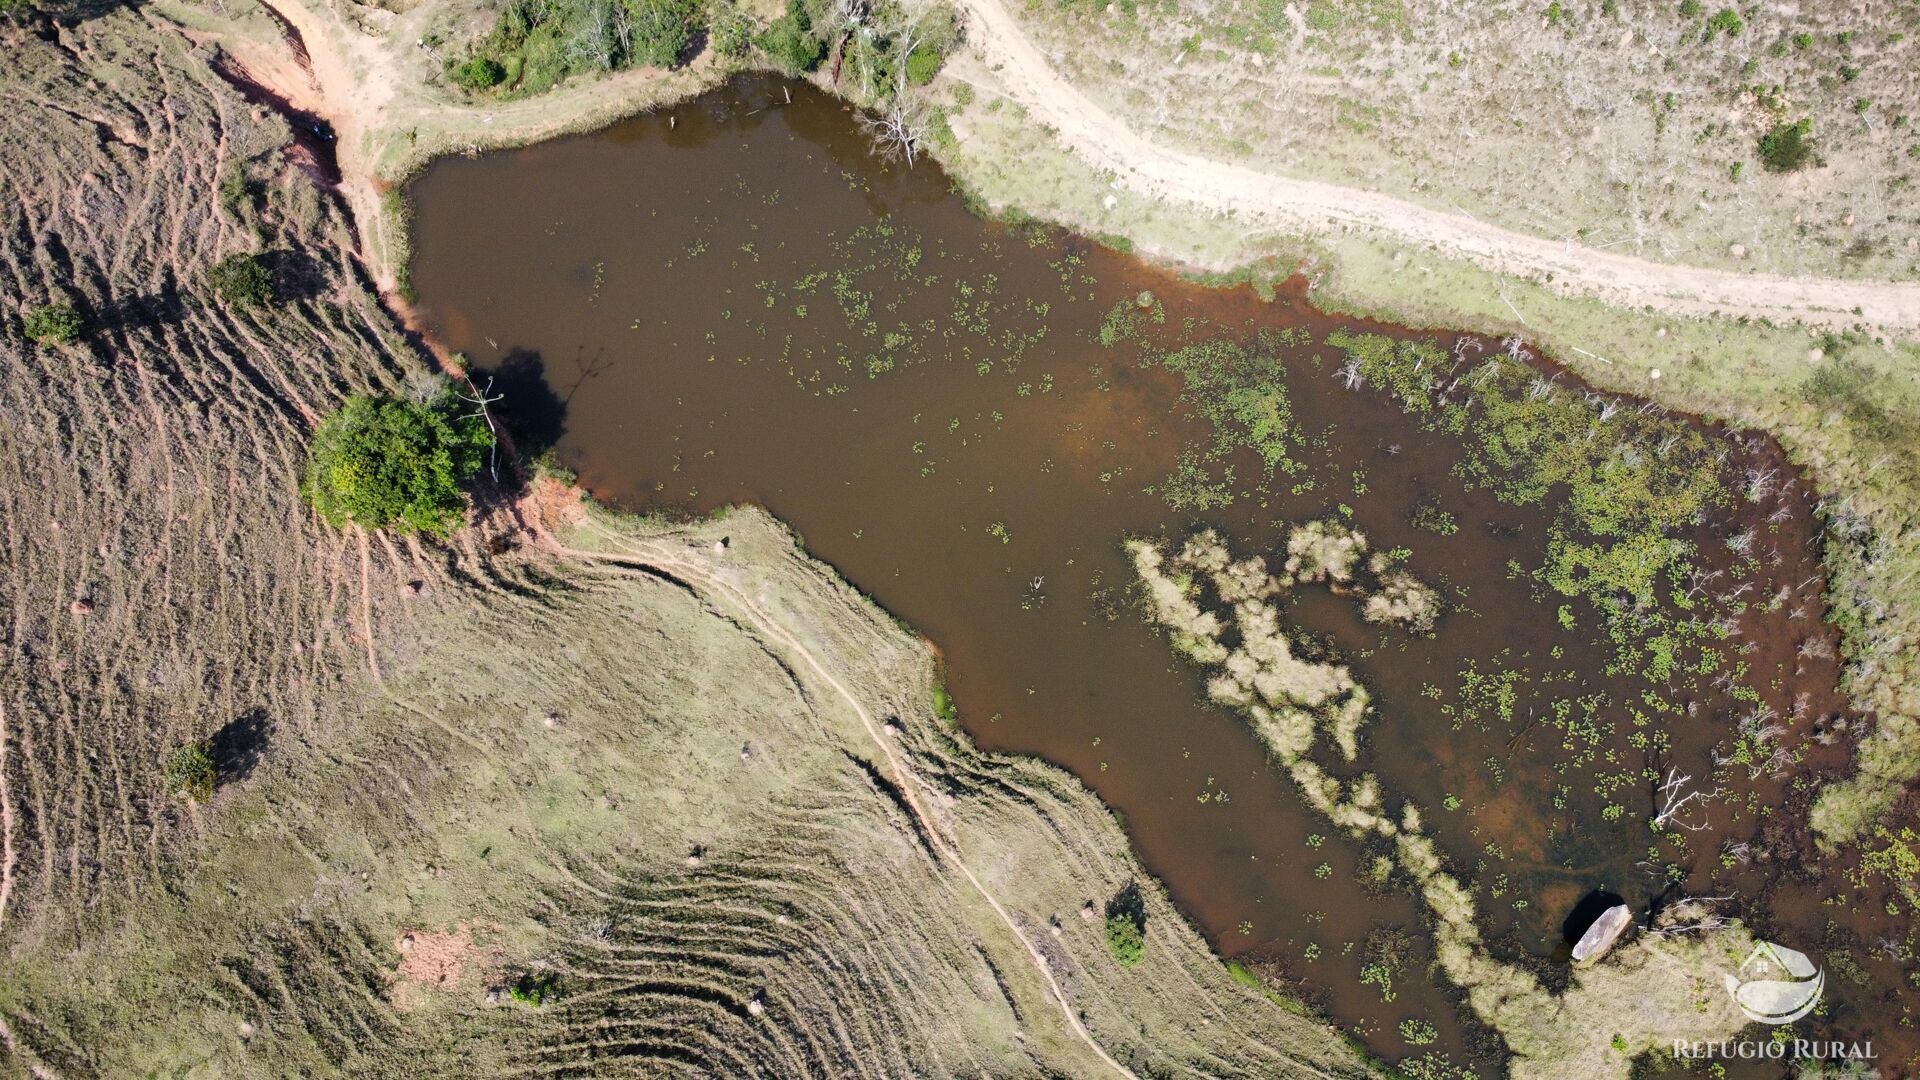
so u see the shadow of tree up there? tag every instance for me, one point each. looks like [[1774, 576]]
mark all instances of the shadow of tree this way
[[240, 745]]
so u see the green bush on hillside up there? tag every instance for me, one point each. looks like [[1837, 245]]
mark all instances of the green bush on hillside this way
[[191, 771], [55, 324], [241, 280], [380, 462], [1125, 938]]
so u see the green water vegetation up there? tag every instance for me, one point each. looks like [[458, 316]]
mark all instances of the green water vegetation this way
[[241, 280], [894, 299], [1241, 392], [55, 323], [1225, 609], [383, 462], [1626, 483]]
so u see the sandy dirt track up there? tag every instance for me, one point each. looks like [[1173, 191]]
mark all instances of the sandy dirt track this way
[[1263, 199]]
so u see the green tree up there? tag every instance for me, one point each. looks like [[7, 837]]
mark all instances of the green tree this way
[[790, 42], [661, 29], [729, 29], [479, 73], [380, 462], [190, 771], [1125, 938], [241, 280], [1787, 147], [56, 323]]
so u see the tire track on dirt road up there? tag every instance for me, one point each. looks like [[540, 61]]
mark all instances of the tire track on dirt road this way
[[1107, 143]]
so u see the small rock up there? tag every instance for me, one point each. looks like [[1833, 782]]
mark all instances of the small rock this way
[[1109, 202], [756, 1006], [81, 606], [247, 1029], [1847, 221], [406, 943], [891, 728], [1738, 251], [1814, 356], [552, 720], [1654, 374], [1660, 333], [746, 751], [1056, 929], [1086, 911]]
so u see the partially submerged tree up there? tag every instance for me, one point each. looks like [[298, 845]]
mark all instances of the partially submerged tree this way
[[381, 462]]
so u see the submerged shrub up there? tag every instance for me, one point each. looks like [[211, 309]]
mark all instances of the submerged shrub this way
[[241, 280], [55, 324], [380, 462]]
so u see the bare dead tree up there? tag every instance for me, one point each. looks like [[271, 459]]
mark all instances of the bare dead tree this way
[[1690, 915], [1674, 798]]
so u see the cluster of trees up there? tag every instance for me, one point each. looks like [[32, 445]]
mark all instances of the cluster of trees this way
[[537, 43], [879, 51]]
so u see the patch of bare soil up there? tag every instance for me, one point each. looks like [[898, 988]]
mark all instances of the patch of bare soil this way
[[430, 959]]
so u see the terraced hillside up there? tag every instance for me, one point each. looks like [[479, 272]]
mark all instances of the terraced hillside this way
[[566, 795]]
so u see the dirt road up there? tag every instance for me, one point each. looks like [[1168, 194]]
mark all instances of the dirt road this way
[[1106, 142]]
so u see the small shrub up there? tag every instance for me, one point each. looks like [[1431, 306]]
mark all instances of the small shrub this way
[[55, 324], [1126, 939], [790, 43], [1689, 9], [534, 990], [479, 73], [1555, 13], [1787, 147], [1725, 21], [380, 462], [923, 64], [241, 280], [190, 771]]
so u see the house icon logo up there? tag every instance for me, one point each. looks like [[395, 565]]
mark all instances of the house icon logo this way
[[1776, 985]]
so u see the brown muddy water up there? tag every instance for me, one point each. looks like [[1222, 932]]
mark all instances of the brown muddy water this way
[[745, 305]]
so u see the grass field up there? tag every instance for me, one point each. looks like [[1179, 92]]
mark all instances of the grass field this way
[[568, 794]]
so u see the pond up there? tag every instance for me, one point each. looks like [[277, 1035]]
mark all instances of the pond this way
[[738, 302]]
